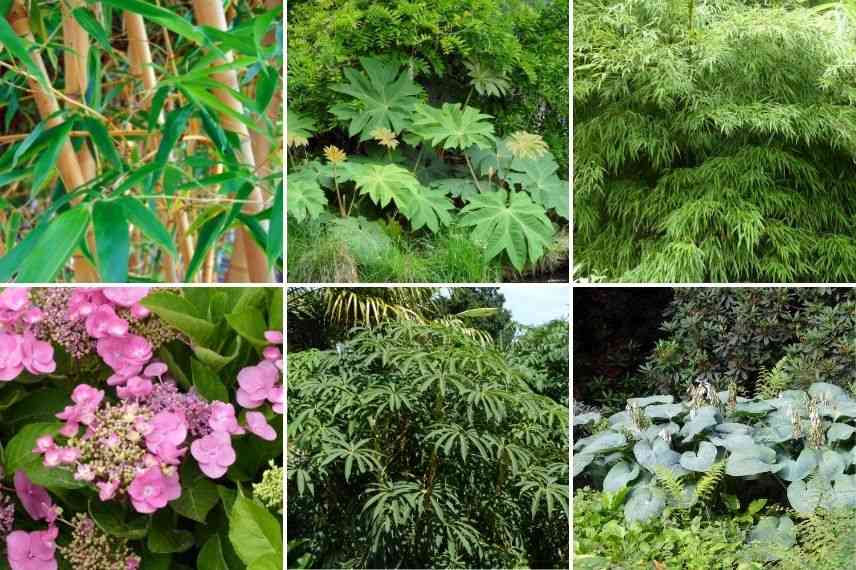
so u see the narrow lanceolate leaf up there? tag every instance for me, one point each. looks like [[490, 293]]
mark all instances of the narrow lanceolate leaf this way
[[45, 164], [274, 244], [90, 23], [112, 242], [514, 224], [173, 128], [144, 218], [305, 199], [162, 16], [103, 142], [55, 246], [19, 48]]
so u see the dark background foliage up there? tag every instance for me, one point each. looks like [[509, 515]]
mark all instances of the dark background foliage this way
[[526, 39]]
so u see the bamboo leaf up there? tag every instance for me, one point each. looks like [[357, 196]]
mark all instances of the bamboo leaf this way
[[142, 217], [46, 163], [55, 246], [18, 48], [162, 16], [89, 22], [112, 242]]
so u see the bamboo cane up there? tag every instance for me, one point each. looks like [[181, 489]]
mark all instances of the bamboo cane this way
[[75, 58], [251, 265], [46, 102]]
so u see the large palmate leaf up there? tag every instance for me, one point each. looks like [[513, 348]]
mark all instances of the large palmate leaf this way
[[453, 126], [385, 98], [509, 222], [427, 207], [384, 183], [389, 182], [485, 80], [538, 177], [304, 199]]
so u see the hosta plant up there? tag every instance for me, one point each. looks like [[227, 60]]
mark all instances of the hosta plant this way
[[424, 167], [420, 444], [142, 428], [675, 454]]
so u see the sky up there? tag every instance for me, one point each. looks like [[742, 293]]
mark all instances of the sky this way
[[536, 304]]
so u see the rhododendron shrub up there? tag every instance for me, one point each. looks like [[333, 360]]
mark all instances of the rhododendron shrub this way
[[141, 427]]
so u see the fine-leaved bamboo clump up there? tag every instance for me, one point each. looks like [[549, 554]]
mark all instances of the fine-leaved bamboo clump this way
[[706, 149]]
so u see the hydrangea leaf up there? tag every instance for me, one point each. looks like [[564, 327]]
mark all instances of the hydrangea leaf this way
[[453, 126], [385, 97], [509, 222], [305, 199]]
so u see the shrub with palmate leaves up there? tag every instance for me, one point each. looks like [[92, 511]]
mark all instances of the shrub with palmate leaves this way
[[427, 167], [417, 445], [704, 150]]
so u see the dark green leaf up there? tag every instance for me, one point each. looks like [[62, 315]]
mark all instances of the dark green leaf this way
[[55, 246], [149, 224], [112, 241]]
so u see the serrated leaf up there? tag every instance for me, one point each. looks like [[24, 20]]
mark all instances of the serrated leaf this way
[[385, 97], [384, 183], [299, 128], [305, 199], [514, 224], [538, 177], [453, 126]]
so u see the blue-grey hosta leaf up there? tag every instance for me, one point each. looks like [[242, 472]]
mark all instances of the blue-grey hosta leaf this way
[[805, 497], [664, 411], [774, 432], [581, 461], [844, 409], [757, 408], [645, 502], [831, 464], [701, 461], [839, 432], [619, 476], [619, 419], [843, 492], [732, 427], [583, 419], [734, 442], [606, 441], [642, 402], [828, 392], [774, 534], [799, 469], [659, 454], [702, 419], [656, 431], [751, 461]]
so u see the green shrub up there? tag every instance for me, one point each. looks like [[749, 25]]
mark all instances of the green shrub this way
[[723, 335], [704, 150]]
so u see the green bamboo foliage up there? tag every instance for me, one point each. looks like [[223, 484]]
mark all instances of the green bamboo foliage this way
[[705, 150]]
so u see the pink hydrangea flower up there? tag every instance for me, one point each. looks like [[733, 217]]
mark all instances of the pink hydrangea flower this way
[[272, 353], [258, 424], [132, 563], [276, 397], [37, 356], [32, 550], [35, 499], [105, 322], [107, 489], [273, 336], [15, 299], [155, 370], [11, 357], [126, 355], [255, 384], [125, 296], [223, 418], [214, 453], [136, 387], [168, 431], [152, 490]]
